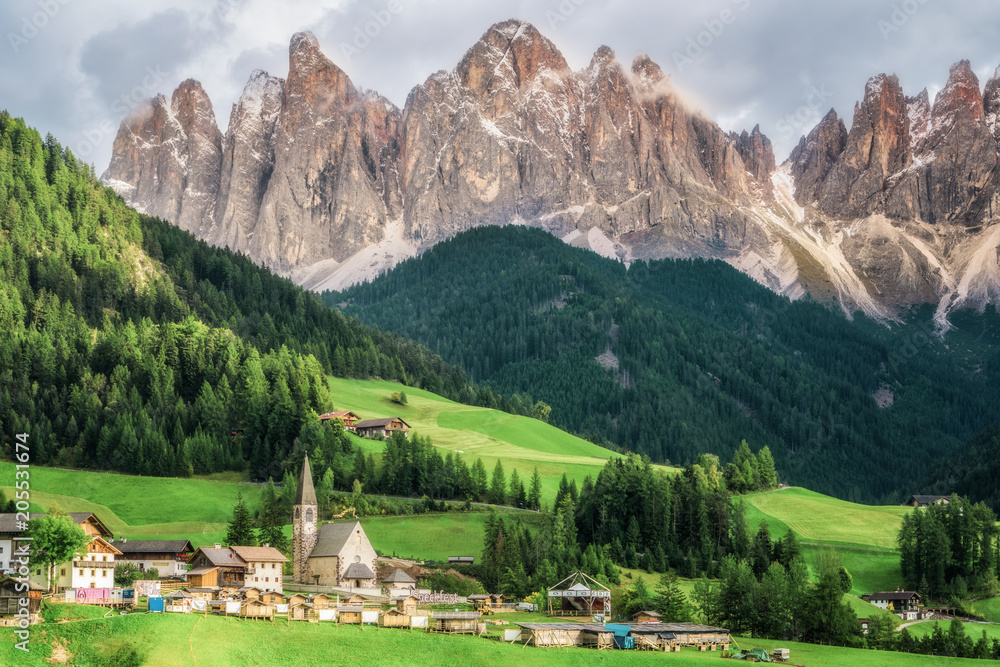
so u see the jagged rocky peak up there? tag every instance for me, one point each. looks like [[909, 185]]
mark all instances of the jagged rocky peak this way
[[960, 96], [816, 154], [647, 73], [991, 102], [757, 153], [193, 109], [918, 110], [510, 54], [315, 84]]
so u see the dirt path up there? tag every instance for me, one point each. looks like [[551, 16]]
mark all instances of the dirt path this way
[[191, 641]]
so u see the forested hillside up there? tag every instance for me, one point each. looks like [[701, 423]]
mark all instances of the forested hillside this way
[[676, 358], [127, 344]]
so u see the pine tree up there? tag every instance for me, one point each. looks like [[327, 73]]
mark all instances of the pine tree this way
[[498, 485], [535, 494], [240, 530]]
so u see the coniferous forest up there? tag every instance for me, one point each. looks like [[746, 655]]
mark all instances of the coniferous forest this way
[[132, 346], [675, 358]]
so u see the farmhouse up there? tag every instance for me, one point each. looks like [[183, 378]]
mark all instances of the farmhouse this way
[[263, 566], [334, 554], [349, 418], [382, 427], [926, 501], [215, 567], [93, 569], [905, 604], [169, 557]]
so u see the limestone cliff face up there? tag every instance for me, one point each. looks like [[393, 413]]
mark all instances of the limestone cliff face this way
[[329, 184], [166, 158]]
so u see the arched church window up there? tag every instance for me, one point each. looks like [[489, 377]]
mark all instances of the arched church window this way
[[309, 515]]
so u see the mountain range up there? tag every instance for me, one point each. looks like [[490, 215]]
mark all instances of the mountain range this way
[[330, 184]]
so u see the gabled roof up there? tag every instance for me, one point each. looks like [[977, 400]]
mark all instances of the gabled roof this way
[[305, 494], [331, 538], [101, 540], [9, 522], [220, 557], [260, 554], [202, 570], [399, 577], [358, 571], [153, 546], [377, 423], [651, 614], [927, 500], [894, 595], [340, 414]]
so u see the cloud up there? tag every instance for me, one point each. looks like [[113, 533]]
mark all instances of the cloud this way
[[753, 61]]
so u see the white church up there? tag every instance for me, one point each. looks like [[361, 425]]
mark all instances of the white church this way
[[334, 554]]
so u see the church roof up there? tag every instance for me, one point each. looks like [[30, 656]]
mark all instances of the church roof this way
[[399, 577], [358, 571], [305, 494], [331, 538]]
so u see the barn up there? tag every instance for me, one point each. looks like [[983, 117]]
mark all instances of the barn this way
[[11, 594], [382, 427]]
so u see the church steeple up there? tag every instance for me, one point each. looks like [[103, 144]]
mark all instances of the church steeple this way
[[305, 494], [305, 518]]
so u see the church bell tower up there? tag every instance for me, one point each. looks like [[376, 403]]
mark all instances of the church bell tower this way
[[305, 518]]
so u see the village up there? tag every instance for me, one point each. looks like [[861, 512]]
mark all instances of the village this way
[[337, 577]]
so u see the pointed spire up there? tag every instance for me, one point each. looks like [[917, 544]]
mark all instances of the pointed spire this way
[[305, 495]]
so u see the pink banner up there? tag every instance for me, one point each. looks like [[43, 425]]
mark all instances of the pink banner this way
[[92, 594]]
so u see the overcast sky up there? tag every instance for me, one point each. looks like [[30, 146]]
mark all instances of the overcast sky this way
[[75, 67]]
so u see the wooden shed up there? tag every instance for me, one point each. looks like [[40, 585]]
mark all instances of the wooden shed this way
[[480, 601], [250, 592], [297, 598], [560, 634], [322, 601], [647, 617], [394, 618], [407, 605], [455, 622], [10, 600], [356, 599], [681, 634], [257, 610], [201, 593], [271, 597], [301, 612], [350, 614]]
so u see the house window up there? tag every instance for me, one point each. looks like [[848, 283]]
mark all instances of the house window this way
[[104, 573], [105, 559], [93, 573], [62, 572], [81, 573], [267, 579]]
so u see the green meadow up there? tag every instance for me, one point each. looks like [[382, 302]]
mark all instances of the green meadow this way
[[519, 443], [182, 640], [864, 536]]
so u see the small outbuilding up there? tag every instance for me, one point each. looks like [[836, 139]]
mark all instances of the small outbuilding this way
[[394, 618], [270, 597], [257, 610], [455, 622], [647, 617], [321, 601], [350, 614]]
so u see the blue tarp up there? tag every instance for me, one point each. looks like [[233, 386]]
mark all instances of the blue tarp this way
[[156, 604], [622, 638]]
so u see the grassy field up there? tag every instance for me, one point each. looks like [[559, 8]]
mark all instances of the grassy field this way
[[988, 609], [428, 536], [519, 443], [973, 630], [818, 518], [863, 536], [180, 640]]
